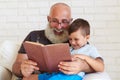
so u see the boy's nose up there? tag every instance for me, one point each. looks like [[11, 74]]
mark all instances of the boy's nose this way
[[73, 42]]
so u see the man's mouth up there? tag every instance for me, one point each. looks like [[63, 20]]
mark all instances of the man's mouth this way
[[58, 31]]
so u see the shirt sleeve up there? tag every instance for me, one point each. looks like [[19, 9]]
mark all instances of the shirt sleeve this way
[[94, 53], [22, 49]]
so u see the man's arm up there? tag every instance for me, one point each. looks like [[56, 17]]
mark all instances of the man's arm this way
[[32, 77], [16, 69], [23, 67]]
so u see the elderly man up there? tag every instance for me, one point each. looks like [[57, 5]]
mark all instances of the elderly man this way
[[58, 22]]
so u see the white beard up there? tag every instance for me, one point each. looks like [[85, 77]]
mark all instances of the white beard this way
[[49, 33]]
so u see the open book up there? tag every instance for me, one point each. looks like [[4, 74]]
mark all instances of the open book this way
[[47, 56]]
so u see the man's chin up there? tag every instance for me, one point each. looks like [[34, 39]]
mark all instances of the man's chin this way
[[56, 36]]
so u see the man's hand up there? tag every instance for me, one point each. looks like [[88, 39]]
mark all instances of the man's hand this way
[[73, 67], [27, 67], [81, 56]]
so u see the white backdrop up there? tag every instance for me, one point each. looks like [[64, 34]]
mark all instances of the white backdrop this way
[[19, 17]]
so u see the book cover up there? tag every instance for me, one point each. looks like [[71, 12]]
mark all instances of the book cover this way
[[47, 56]]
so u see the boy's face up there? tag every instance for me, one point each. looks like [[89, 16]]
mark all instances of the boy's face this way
[[77, 40]]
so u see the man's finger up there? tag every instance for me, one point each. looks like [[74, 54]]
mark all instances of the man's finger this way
[[30, 62], [36, 68], [66, 72]]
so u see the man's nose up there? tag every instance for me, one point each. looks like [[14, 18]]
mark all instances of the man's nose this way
[[59, 26]]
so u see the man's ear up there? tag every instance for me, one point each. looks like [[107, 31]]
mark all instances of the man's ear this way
[[48, 18]]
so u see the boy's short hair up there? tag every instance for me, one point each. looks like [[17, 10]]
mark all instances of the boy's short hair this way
[[80, 24]]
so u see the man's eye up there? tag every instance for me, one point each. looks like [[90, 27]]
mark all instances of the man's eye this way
[[65, 21], [54, 21]]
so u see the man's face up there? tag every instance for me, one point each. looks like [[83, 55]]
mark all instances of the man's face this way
[[59, 20], [56, 31]]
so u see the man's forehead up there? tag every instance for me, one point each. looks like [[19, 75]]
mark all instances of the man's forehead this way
[[60, 15], [62, 19], [59, 12]]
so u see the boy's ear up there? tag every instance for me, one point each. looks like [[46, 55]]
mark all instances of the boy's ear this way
[[87, 37]]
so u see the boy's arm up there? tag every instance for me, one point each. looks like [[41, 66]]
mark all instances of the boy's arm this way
[[97, 64]]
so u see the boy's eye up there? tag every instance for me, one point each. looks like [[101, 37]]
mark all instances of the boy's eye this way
[[70, 39], [76, 39]]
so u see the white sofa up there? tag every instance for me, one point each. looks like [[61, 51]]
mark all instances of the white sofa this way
[[8, 52]]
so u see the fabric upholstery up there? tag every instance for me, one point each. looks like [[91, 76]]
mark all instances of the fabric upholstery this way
[[8, 52]]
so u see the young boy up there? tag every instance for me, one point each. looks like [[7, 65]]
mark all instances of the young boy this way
[[79, 33]]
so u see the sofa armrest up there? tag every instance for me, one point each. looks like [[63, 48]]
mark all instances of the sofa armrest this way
[[5, 74], [15, 77], [97, 76]]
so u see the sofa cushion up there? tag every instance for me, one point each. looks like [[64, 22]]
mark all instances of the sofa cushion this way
[[8, 53], [5, 74], [97, 76]]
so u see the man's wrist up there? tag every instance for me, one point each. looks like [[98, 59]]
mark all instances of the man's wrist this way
[[20, 75]]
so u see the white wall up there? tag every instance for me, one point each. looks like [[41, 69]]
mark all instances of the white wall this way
[[19, 17]]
